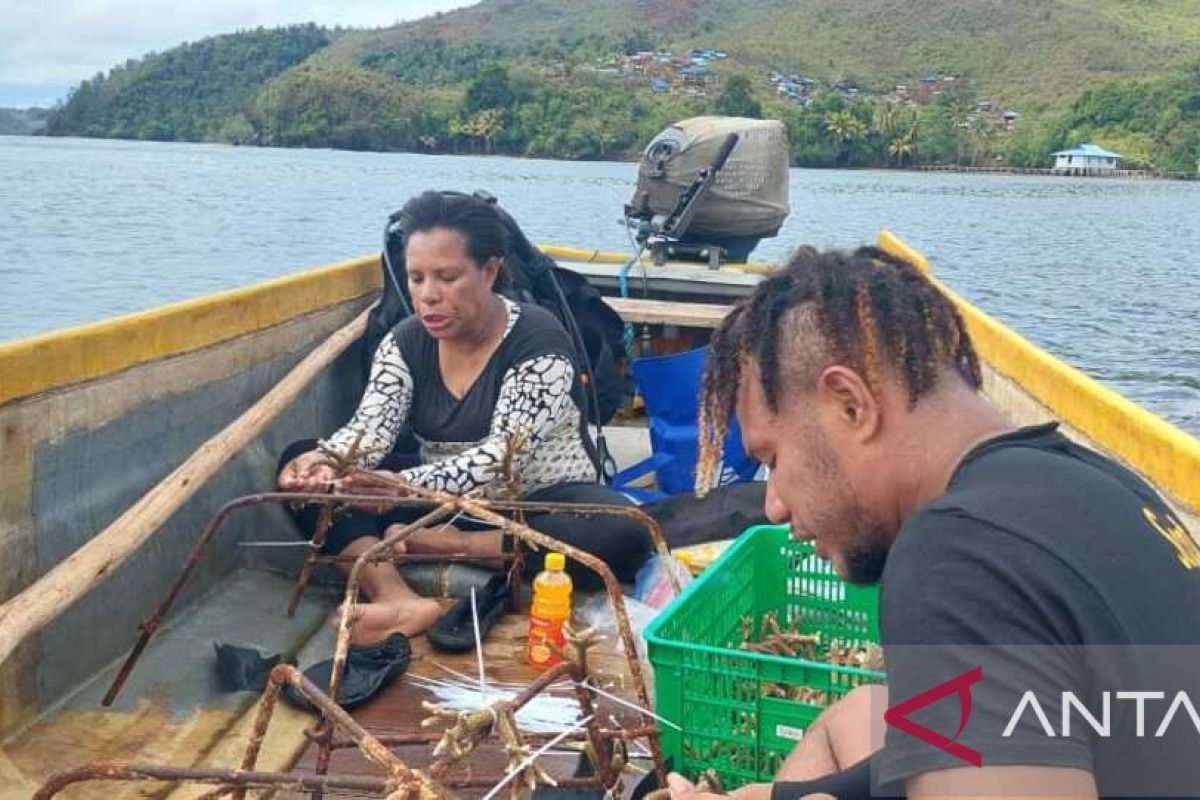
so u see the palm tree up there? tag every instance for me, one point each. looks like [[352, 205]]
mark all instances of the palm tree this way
[[980, 133], [893, 123], [886, 118], [904, 146], [844, 127], [487, 125]]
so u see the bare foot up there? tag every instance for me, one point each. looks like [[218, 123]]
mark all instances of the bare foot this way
[[441, 541], [374, 622]]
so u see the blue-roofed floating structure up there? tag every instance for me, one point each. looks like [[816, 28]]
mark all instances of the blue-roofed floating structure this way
[[1086, 159]]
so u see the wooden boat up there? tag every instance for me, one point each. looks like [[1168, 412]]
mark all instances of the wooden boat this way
[[119, 440]]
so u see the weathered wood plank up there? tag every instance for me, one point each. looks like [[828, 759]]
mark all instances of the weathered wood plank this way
[[397, 710], [663, 312]]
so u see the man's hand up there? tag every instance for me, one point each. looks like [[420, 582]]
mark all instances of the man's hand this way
[[683, 789], [308, 472]]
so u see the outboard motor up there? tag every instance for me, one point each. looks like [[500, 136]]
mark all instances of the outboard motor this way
[[710, 188]]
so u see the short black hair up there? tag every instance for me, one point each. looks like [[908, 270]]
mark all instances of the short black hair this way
[[863, 309], [477, 220]]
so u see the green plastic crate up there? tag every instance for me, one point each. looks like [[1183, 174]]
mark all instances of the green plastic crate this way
[[714, 690]]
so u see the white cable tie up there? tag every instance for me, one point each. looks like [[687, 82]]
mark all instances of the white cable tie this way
[[435, 684], [474, 681], [634, 706], [454, 672], [449, 522], [562, 685], [533, 757], [478, 647]]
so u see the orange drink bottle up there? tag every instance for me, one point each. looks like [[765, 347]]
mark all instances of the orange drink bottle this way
[[551, 608]]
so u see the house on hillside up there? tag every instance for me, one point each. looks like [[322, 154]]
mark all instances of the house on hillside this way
[[1086, 159], [846, 89], [930, 87], [639, 63], [698, 76]]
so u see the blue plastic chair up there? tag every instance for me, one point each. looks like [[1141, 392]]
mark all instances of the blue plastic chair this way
[[670, 385]]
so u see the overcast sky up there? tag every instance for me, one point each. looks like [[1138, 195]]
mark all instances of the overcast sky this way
[[48, 46]]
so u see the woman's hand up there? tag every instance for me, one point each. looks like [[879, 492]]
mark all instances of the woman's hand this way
[[308, 472], [367, 482]]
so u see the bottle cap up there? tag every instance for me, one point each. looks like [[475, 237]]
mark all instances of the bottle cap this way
[[555, 562]]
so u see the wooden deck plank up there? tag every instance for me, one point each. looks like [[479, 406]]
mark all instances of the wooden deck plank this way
[[663, 312], [172, 712], [398, 709]]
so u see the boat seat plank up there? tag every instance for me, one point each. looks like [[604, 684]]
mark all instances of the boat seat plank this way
[[664, 312]]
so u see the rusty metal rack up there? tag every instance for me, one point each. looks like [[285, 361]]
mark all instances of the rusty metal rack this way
[[606, 748]]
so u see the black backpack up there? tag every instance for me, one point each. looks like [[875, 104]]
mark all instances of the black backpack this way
[[530, 277]]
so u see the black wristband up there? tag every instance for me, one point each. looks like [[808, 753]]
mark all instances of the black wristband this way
[[852, 783]]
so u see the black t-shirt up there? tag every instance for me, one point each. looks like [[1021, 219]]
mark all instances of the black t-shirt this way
[[438, 415], [1054, 569], [522, 397]]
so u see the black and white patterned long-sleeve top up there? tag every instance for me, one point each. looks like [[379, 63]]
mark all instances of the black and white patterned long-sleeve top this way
[[524, 389]]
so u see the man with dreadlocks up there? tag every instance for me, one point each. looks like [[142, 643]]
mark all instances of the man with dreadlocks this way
[[855, 381]]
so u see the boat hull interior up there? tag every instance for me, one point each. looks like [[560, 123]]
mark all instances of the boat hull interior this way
[[80, 448]]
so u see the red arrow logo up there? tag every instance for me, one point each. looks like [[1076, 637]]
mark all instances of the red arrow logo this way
[[897, 715]]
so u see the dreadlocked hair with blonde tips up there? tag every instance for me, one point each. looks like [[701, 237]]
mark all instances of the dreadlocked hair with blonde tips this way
[[866, 309]]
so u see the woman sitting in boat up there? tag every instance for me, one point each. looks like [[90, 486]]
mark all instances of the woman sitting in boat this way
[[467, 373]]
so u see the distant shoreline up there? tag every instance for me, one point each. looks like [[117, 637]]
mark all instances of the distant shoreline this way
[[1128, 174], [949, 168]]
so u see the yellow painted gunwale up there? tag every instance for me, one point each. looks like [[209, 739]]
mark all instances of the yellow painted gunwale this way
[[1165, 454], [86, 352], [73, 355]]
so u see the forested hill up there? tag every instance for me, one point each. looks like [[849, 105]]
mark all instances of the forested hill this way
[[193, 92], [1025, 52], [858, 82]]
